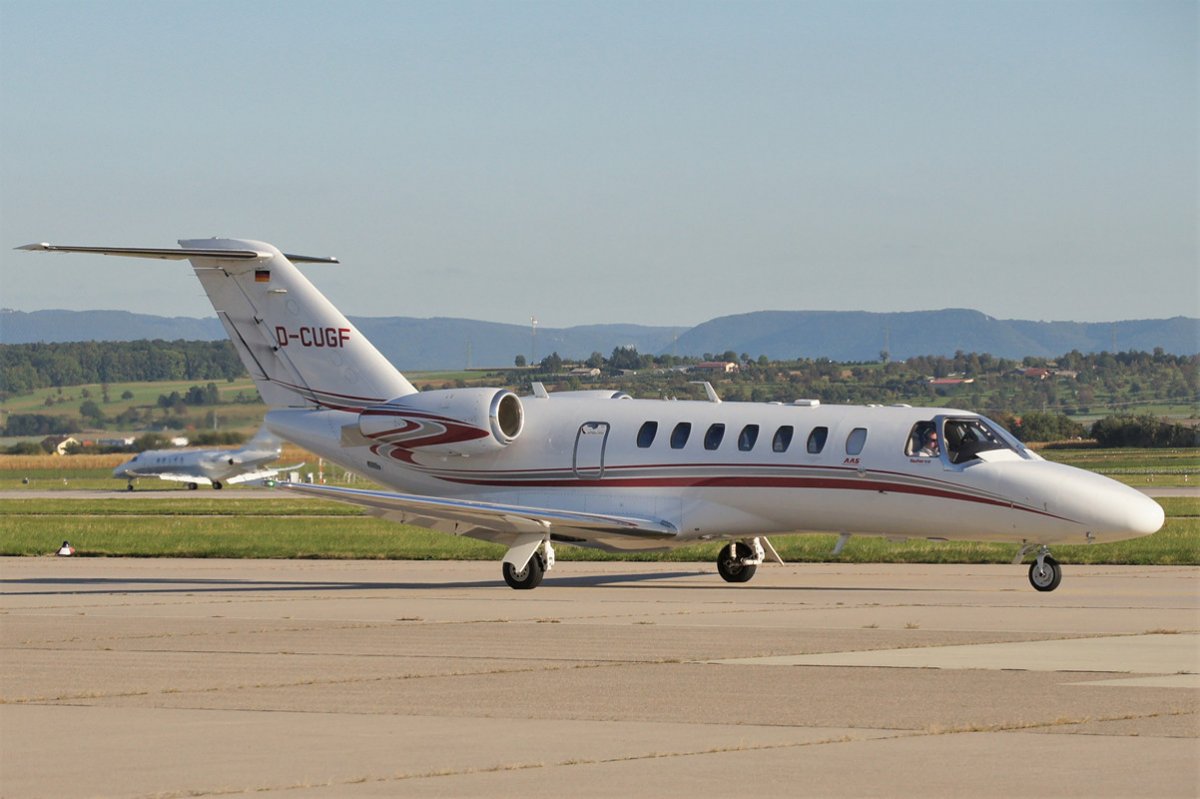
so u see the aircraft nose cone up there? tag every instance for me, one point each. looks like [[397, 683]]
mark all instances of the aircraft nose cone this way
[[1104, 508], [1145, 516], [1125, 512]]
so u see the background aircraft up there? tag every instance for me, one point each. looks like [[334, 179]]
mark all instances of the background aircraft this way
[[596, 468], [215, 467]]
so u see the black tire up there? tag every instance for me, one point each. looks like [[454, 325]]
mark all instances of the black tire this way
[[528, 578], [218, 485], [192, 486], [730, 566], [1046, 578], [129, 487]]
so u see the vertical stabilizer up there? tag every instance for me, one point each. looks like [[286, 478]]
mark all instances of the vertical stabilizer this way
[[300, 350]]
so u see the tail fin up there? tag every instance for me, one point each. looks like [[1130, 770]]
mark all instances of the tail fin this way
[[298, 348]]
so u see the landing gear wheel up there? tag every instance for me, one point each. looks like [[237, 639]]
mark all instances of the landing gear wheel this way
[[527, 578], [1046, 574], [218, 485], [129, 487], [729, 563], [193, 486]]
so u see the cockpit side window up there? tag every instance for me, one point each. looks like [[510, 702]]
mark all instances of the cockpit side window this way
[[923, 441]]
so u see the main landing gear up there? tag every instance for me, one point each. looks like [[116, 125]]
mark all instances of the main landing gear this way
[[1044, 573], [536, 553], [528, 577], [739, 560]]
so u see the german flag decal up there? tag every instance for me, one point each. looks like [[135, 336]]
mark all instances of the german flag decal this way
[[262, 275]]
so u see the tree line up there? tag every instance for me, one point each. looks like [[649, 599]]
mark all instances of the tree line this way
[[26, 367]]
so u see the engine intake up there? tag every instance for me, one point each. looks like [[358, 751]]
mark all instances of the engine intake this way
[[455, 422]]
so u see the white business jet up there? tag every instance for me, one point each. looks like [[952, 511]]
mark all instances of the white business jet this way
[[215, 467], [598, 469]]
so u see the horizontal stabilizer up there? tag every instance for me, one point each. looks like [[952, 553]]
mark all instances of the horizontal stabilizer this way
[[178, 254]]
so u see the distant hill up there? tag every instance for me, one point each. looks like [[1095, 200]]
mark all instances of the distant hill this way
[[409, 343], [20, 327], [441, 343], [858, 335], [445, 343]]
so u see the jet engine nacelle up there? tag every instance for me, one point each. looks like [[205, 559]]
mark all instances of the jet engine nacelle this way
[[456, 421]]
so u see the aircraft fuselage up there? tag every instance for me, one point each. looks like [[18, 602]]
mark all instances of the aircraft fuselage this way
[[724, 470]]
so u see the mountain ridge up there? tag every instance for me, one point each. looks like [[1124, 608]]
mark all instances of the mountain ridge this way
[[450, 343]]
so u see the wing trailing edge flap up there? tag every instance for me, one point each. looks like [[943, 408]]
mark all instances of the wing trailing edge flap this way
[[510, 525]]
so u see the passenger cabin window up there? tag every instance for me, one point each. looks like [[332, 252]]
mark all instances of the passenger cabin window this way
[[712, 439], [816, 440], [646, 434], [923, 441], [783, 438], [679, 435], [856, 440], [748, 437]]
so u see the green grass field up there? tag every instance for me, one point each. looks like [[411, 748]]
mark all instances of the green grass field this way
[[292, 528], [178, 523]]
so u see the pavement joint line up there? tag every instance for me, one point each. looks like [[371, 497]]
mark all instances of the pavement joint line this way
[[499, 768], [40, 700], [646, 756]]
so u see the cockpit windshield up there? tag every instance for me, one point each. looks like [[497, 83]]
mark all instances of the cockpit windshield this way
[[965, 438]]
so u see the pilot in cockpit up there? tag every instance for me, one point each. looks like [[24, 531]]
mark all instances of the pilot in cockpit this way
[[924, 441], [929, 446]]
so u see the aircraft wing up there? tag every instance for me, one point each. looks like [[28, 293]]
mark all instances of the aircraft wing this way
[[179, 477], [261, 474], [502, 523]]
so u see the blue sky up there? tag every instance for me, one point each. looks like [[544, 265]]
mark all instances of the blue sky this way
[[648, 162]]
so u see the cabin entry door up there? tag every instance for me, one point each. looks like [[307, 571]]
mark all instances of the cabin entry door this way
[[590, 441]]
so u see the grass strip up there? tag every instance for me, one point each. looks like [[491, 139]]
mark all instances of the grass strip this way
[[361, 537]]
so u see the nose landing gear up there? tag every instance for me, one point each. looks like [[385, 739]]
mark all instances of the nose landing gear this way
[[1044, 573]]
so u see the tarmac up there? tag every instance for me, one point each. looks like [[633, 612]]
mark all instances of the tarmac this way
[[299, 679]]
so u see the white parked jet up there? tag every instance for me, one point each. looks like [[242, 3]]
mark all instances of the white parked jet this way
[[215, 467], [596, 468]]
